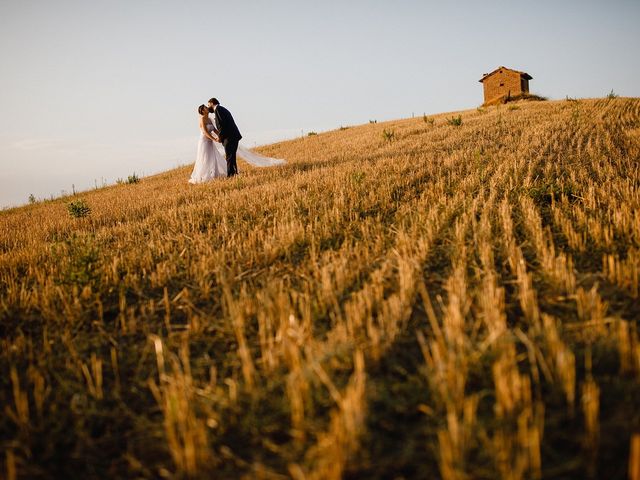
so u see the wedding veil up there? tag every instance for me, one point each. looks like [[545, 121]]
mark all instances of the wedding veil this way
[[253, 158]]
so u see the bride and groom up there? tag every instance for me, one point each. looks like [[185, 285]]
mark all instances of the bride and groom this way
[[219, 144]]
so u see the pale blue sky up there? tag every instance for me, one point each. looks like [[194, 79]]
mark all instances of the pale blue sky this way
[[101, 89]]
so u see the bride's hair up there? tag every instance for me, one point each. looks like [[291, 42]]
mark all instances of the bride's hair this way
[[201, 109]]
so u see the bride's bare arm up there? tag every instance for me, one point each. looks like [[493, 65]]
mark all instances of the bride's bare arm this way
[[205, 131]]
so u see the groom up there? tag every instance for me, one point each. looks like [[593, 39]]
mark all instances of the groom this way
[[228, 134]]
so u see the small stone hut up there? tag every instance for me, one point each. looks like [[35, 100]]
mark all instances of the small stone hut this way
[[504, 83]]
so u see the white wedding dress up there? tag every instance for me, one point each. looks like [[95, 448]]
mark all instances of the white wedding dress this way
[[211, 163]]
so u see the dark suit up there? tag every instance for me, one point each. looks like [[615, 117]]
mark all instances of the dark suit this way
[[229, 135]]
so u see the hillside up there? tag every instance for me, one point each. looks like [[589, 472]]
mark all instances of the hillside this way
[[409, 299]]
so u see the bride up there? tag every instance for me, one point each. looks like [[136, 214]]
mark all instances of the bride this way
[[210, 161]]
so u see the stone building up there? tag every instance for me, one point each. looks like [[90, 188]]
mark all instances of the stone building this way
[[504, 83]]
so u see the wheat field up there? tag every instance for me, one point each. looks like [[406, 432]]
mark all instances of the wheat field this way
[[422, 298]]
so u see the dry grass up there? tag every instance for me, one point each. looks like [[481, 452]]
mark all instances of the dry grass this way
[[458, 301]]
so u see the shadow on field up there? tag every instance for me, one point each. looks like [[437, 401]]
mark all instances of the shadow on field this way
[[401, 440]]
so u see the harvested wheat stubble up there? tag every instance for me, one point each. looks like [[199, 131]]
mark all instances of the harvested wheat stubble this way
[[455, 301]]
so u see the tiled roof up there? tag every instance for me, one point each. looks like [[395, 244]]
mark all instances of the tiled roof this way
[[522, 74]]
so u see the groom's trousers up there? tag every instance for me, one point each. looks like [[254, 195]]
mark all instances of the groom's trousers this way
[[230, 149]]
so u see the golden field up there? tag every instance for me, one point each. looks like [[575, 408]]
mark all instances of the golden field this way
[[409, 299]]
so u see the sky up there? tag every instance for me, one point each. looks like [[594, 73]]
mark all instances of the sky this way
[[93, 91]]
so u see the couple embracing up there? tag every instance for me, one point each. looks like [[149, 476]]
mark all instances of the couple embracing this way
[[219, 145]]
